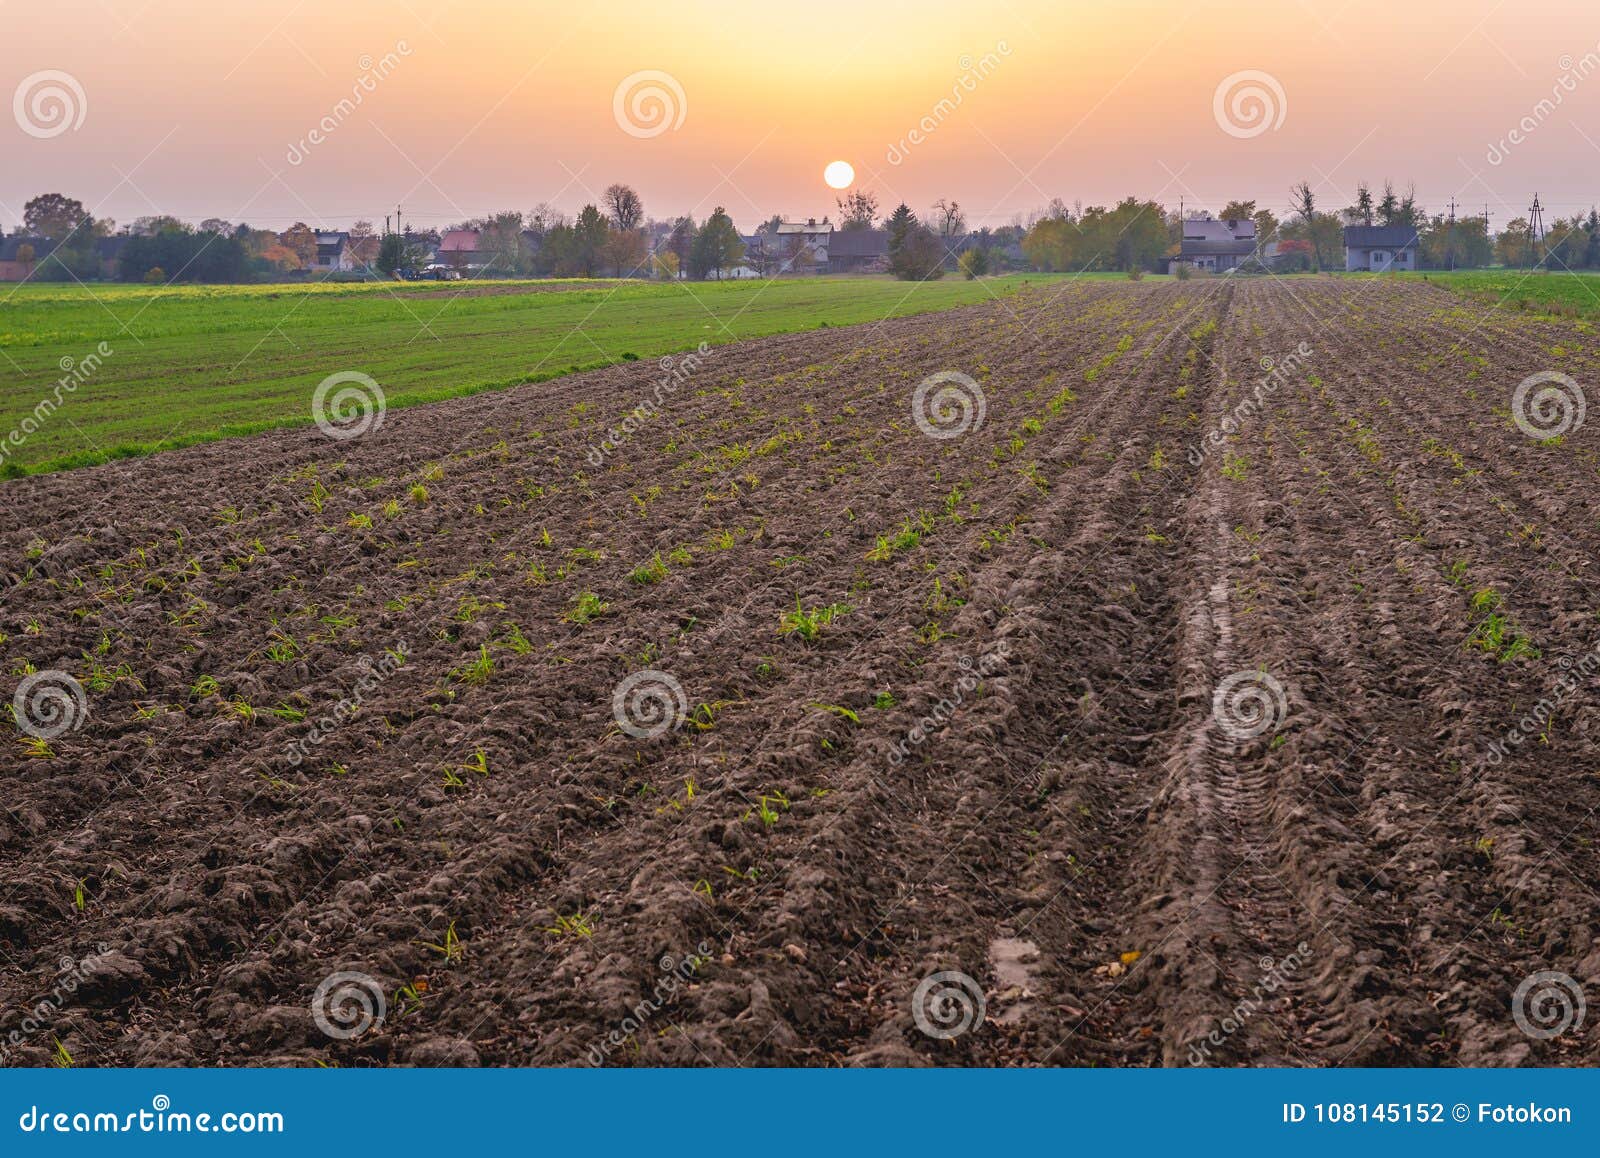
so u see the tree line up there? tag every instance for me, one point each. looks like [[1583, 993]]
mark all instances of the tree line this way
[[613, 238]]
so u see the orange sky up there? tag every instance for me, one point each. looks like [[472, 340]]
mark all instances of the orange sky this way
[[192, 107]]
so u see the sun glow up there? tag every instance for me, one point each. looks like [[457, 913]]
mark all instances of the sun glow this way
[[839, 174]]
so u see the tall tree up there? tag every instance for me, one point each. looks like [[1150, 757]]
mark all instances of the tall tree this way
[[900, 223], [624, 251], [545, 217], [857, 209], [1389, 206], [500, 249], [589, 235], [391, 253], [54, 216], [624, 207], [299, 239], [1362, 210], [947, 219], [717, 246], [1305, 204], [681, 241]]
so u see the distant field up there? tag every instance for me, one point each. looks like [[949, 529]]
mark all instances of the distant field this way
[[195, 363], [1561, 293]]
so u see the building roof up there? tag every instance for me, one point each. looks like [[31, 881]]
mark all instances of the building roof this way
[[1210, 228], [1380, 236], [788, 227], [859, 243], [459, 241], [1239, 248]]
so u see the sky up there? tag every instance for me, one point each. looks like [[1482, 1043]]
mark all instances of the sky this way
[[204, 109]]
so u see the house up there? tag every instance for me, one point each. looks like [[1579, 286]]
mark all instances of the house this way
[[1214, 245], [334, 253], [19, 255], [803, 246], [1380, 247], [458, 250], [859, 251]]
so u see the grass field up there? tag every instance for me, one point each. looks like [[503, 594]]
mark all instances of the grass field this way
[[1560, 294], [196, 363]]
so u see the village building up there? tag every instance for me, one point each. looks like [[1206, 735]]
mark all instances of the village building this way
[[1378, 248]]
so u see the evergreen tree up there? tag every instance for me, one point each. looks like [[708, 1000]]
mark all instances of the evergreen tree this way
[[717, 246]]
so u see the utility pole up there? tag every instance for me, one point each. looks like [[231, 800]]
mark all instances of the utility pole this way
[[1535, 231], [1450, 235]]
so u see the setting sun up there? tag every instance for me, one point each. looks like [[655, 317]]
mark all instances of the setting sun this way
[[839, 174]]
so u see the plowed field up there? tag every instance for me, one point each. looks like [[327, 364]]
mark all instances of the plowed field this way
[[1185, 707]]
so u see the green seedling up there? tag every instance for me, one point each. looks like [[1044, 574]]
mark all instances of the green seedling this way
[[577, 925], [587, 606], [808, 625], [842, 712], [451, 950]]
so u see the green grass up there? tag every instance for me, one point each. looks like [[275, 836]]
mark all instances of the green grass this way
[[1564, 294], [191, 364]]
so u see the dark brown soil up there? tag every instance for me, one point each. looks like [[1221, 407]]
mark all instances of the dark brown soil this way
[[1075, 829]]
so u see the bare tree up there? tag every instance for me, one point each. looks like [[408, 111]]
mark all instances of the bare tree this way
[[947, 218], [624, 207], [857, 209], [544, 217], [364, 242], [1305, 202]]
